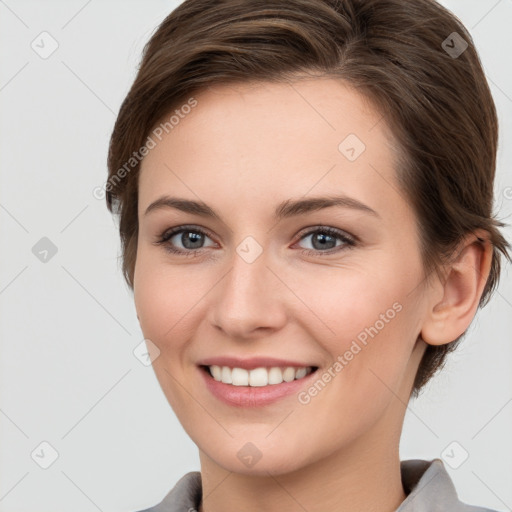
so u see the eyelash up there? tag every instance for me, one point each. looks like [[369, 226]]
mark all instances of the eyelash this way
[[349, 240]]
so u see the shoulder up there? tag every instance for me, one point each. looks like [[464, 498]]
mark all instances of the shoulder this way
[[185, 496], [429, 487]]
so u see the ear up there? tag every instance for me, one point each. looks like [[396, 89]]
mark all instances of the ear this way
[[466, 276]]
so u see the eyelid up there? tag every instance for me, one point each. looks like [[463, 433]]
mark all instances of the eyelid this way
[[169, 233], [348, 240], [331, 229]]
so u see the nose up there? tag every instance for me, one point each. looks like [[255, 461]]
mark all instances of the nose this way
[[250, 299]]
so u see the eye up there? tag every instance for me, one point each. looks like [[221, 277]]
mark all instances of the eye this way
[[324, 240], [191, 238]]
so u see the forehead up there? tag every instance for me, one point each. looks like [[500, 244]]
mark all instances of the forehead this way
[[271, 140], [320, 104]]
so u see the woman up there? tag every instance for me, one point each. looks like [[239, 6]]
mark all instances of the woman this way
[[334, 164]]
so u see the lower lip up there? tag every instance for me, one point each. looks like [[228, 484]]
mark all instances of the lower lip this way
[[253, 396]]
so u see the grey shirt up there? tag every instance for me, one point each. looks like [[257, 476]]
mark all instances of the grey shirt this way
[[427, 484]]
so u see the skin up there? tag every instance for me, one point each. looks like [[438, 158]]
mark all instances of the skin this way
[[243, 150]]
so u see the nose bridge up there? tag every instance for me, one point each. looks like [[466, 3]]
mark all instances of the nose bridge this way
[[248, 281], [248, 297]]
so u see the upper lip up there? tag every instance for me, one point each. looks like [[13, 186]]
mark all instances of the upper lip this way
[[251, 362]]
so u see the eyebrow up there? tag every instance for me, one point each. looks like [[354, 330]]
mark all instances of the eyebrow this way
[[288, 208]]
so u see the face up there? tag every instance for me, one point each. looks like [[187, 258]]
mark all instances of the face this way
[[333, 287]]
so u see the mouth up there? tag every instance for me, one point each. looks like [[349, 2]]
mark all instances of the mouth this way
[[257, 377]]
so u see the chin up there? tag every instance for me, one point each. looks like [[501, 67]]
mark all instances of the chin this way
[[257, 458]]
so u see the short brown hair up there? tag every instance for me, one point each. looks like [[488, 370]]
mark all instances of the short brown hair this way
[[396, 52]]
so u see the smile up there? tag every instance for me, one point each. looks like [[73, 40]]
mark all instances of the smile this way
[[255, 387], [258, 377]]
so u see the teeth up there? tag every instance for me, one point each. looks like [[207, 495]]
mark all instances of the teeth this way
[[258, 376], [239, 376], [226, 375]]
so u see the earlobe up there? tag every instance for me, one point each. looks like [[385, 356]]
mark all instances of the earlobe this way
[[463, 286]]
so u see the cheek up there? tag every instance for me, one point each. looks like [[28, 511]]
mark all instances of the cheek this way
[[164, 298], [167, 298], [369, 319], [347, 300]]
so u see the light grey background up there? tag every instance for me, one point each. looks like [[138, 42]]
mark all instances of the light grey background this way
[[68, 327]]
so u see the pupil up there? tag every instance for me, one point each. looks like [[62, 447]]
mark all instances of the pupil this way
[[195, 237], [321, 238]]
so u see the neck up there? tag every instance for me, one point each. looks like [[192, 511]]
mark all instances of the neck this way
[[352, 479]]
